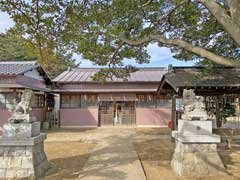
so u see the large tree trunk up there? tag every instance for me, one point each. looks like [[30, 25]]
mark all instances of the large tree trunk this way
[[234, 8], [229, 19]]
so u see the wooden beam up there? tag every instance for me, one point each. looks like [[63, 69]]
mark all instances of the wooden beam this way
[[218, 116], [174, 119]]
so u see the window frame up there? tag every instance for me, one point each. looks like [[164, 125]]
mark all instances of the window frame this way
[[39, 101], [83, 103], [15, 97], [152, 101]]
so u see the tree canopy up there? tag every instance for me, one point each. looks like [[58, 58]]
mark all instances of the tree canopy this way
[[13, 47], [16, 48], [108, 31]]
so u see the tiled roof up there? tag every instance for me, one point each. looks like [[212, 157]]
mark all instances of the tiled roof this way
[[85, 75], [16, 67]]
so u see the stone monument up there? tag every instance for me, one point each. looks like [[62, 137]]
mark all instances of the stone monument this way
[[21, 145], [196, 147]]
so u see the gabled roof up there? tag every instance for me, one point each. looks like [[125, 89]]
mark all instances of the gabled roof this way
[[78, 75], [13, 68], [196, 77]]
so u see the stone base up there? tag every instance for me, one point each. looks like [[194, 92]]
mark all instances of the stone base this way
[[23, 158], [194, 127], [196, 139], [22, 118], [197, 159], [21, 130]]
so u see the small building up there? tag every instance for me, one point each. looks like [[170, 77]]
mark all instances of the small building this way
[[149, 97], [220, 87], [15, 76], [132, 101]]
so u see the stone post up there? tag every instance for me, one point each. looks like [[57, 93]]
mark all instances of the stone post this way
[[21, 146], [196, 147]]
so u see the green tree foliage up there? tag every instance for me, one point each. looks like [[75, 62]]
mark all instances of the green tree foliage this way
[[108, 31], [14, 47]]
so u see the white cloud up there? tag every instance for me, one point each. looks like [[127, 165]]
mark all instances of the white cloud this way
[[83, 62], [5, 22], [159, 53]]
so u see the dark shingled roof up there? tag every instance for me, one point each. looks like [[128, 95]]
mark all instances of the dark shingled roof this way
[[191, 77], [14, 68], [77, 75], [17, 67]]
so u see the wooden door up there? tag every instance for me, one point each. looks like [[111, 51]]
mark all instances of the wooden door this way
[[127, 113], [106, 113]]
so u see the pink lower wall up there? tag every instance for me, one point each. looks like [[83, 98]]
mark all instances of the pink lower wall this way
[[5, 114], [153, 116], [40, 113], [79, 117]]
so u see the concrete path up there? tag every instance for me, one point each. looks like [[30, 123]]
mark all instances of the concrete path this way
[[114, 157]]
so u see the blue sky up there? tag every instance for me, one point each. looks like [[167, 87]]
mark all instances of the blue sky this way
[[159, 56]]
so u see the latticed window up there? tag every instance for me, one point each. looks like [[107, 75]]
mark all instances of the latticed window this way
[[163, 102], [79, 101], [89, 101], [145, 101], [38, 101], [8, 100], [152, 101], [70, 101]]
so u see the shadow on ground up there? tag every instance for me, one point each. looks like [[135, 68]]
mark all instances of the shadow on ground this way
[[156, 156]]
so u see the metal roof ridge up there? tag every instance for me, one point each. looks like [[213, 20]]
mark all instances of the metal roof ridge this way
[[99, 68]]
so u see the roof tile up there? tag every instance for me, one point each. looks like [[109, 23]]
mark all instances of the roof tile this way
[[16, 67]]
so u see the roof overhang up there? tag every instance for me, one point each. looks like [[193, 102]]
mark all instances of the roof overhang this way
[[165, 81], [19, 86], [104, 90]]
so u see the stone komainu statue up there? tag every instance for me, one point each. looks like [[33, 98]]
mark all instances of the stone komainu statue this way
[[194, 107], [24, 106], [23, 110]]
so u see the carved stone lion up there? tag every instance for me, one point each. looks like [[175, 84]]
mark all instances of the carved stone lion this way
[[23, 106], [22, 112], [194, 107]]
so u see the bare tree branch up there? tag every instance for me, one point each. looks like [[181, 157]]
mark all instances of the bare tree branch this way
[[146, 3], [115, 54], [185, 45]]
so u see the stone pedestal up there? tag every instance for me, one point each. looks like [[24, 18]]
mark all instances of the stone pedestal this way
[[21, 130], [23, 158], [20, 118], [22, 151], [196, 149]]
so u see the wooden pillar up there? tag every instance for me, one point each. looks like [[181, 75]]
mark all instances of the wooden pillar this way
[[174, 123], [218, 116]]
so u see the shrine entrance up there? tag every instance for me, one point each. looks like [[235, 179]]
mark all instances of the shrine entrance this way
[[117, 113]]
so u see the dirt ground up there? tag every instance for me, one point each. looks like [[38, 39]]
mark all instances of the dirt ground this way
[[68, 150], [156, 157], [66, 159], [60, 135]]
